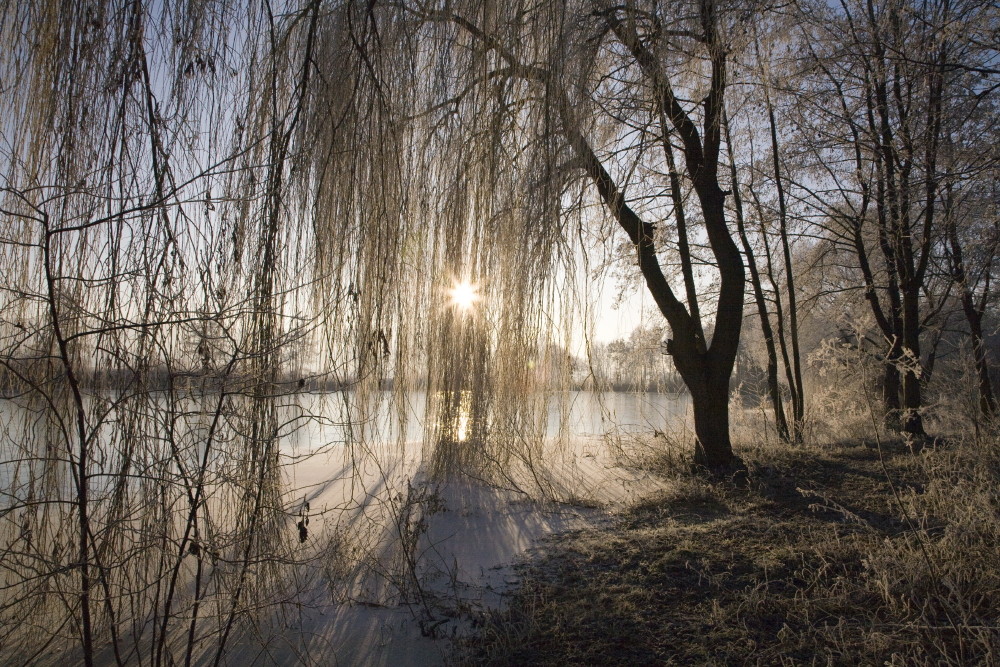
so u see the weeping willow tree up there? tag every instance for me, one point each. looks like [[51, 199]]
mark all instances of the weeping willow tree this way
[[148, 301], [207, 206], [562, 104]]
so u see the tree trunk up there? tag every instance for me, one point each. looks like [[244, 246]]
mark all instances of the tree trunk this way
[[773, 388], [913, 422], [987, 401], [794, 368], [709, 387], [973, 313], [706, 369], [890, 392], [713, 449]]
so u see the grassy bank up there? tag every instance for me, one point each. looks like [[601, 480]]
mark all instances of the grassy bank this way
[[848, 553]]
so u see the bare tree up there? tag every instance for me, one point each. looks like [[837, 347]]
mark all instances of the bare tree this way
[[971, 255], [884, 91], [760, 300]]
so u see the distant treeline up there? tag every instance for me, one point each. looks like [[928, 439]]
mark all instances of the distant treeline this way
[[22, 376]]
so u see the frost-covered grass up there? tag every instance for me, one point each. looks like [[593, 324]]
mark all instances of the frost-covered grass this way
[[846, 552]]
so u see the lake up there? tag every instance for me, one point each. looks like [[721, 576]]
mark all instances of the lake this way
[[310, 423]]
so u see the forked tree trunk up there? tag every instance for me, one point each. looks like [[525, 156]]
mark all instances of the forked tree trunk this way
[[705, 369]]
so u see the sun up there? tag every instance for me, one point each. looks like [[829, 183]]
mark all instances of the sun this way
[[464, 295]]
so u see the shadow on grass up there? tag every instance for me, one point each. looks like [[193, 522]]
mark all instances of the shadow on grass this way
[[773, 572]]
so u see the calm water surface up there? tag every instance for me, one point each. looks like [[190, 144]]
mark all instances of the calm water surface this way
[[309, 423], [579, 414]]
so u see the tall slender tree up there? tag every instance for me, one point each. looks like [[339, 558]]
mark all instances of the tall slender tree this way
[[884, 87]]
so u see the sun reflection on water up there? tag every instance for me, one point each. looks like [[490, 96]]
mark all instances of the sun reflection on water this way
[[456, 420], [464, 419]]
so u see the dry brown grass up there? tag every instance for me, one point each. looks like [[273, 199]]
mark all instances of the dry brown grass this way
[[856, 552]]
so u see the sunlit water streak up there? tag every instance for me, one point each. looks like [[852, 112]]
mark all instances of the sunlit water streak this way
[[578, 414]]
